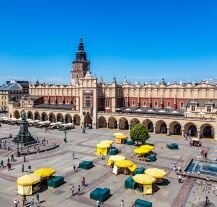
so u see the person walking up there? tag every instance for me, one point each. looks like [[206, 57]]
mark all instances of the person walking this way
[[12, 158], [73, 155], [16, 202], [23, 168], [9, 166], [29, 168], [98, 204], [2, 164], [24, 200], [83, 182], [32, 202], [74, 167], [79, 189], [24, 159], [72, 189], [37, 197], [180, 179], [8, 159], [122, 203]]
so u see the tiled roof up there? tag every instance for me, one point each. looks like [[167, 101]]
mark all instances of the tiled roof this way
[[11, 87], [55, 106]]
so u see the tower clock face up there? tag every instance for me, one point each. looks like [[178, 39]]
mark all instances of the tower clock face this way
[[77, 66]]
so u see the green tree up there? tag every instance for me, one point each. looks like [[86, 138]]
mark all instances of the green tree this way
[[139, 133]]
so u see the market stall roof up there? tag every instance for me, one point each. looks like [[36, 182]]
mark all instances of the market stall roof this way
[[124, 163], [155, 172], [121, 136], [140, 150], [29, 179], [107, 142], [118, 133], [45, 172], [117, 157], [147, 147], [103, 145], [144, 179]]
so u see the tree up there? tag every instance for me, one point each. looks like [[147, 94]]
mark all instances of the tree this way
[[139, 133]]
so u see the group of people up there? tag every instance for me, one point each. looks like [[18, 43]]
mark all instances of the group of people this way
[[99, 204], [83, 184], [30, 203], [5, 145]]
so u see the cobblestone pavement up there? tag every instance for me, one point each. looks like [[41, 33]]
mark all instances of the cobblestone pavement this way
[[190, 193]]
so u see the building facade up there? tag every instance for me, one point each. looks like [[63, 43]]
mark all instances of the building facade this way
[[12, 91], [175, 108]]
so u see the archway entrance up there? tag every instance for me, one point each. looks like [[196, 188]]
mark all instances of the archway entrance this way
[[37, 116], [112, 123], [163, 128], [88, 121], [76, 119], [29, 115], [44, 116], [133, 122], [192, 131], [68, 118], [102, 122], [177, 129], [123, 124], [207, 131], [16, 114], [52, 117], [60, 118]]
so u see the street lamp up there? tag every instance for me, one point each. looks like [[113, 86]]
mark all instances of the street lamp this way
[[65, 140], [18, 147]]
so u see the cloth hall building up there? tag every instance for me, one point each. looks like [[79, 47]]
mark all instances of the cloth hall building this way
[[172, 109]]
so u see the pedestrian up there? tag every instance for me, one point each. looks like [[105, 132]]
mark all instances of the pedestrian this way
[[29, 168], [9, 166], [207, 200], [12, 158], [73, 155], [72, 189], [98, 204], [180, 179], [101, 155], [16, 202], [2, 164], [32, 203], [79, 189], [122, 203], [179, 169], [74, 167], [23, 168], [24, 200], [24, 159], [8, 159], [83, 182], [37, 197]]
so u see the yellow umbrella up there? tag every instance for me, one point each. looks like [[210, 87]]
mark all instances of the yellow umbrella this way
[[123, 163], [114, 158], [103, 145], [144, 179], [121, 136], [155, 172], [141, 150], [29, 179], [45, 172], [118, 133], [107, 141], [117, 157], [150, 147]]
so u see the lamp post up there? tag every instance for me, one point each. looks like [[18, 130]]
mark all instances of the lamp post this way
[[18, 147], [65, 140]]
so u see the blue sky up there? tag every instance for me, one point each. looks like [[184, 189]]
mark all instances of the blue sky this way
[[141, 39]]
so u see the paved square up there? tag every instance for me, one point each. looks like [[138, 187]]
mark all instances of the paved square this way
[[190, 193]]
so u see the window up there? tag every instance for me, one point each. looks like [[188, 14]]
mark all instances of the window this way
[[133, 103], [144, 103], [107, 103], [155, 104], [168, 105], [87, 101], [209, 109], [182, 105], [193, 108]]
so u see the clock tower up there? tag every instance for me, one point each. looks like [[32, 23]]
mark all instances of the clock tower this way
[[80, 65]]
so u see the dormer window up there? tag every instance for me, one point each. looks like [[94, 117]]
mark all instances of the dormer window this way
[[144, 103], [168, 105], [156, 104], [133, 103]]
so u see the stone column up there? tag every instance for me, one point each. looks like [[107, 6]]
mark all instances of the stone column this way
[[168, 131], [198, 133], [183, 132], [154, 129], [118, 125], [129, 127], [107, 125]]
